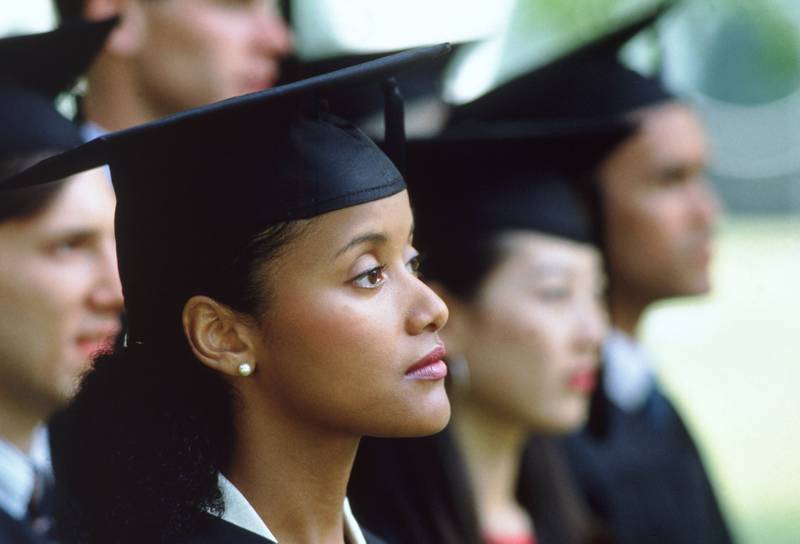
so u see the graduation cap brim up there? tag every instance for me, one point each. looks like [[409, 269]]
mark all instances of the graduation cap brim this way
[[587, 81], [97, 152], [51, 62]]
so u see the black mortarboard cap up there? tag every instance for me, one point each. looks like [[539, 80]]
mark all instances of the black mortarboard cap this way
[[194, 188], [589, 83], [522, 156], [34, 69], [488, 177]]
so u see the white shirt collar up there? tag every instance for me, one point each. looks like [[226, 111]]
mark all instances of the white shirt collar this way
[[241, 513], [352, 530], [40, 452], [17, 480], [628, 374]]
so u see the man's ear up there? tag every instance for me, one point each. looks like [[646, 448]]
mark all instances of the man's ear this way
[[219, 337], [127, 37]]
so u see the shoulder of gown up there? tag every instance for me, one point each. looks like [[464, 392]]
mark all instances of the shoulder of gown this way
[[645, 477], [16, 532]]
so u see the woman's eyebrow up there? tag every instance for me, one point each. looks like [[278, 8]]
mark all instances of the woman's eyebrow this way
[[550, 269], [368, 238], [72, 233]]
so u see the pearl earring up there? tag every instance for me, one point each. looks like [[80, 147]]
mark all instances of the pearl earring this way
[[245, 369]]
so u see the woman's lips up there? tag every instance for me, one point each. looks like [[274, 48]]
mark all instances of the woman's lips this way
[[431, 367]]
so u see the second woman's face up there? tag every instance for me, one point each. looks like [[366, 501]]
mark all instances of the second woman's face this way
[[532, 336], [350, 341]]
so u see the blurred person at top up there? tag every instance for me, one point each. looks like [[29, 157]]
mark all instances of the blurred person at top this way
[[636, 462], [168, 56]]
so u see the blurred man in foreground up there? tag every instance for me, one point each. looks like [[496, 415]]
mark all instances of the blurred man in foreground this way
[[60, 295]]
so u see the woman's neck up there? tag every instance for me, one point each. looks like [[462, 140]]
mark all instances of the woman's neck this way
[[295, 477], [492, 449]]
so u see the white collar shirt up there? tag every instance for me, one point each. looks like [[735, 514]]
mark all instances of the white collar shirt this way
[[628, 374], [241, 513]]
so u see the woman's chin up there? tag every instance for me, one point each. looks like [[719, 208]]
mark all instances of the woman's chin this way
[[567, 420], [434, 421], [427, 416], [434, 414]]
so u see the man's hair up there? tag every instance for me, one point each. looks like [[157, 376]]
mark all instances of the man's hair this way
[[69, 10]]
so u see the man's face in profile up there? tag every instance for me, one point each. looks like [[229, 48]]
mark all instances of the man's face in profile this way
[[660, 207]]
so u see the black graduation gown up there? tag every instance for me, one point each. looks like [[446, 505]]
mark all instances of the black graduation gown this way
[[218, 531], [644, 477], [13, 531]]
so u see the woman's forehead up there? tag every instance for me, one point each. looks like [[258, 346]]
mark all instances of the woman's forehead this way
[[387, 221]]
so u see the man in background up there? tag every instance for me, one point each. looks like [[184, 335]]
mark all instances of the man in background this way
[[643, 474], [167, 56]]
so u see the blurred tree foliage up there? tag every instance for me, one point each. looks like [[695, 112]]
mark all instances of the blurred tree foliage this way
[[753, 55]]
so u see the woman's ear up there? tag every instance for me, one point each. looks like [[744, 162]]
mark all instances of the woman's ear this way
[[221, 338]]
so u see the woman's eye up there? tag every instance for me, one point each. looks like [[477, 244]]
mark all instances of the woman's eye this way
[[553, 294], [67, 246], [414, 265], [370, 279]]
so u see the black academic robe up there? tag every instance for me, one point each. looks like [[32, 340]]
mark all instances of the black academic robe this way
[[644, 478], [218, 531], [13, 531]]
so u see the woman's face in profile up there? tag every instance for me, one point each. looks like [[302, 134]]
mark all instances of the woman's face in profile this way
[[350, 339], [532, 334], [60, 296]]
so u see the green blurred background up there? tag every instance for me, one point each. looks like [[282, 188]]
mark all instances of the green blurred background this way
[[729, 359]]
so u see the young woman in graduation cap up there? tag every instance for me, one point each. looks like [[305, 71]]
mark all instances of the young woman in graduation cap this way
[[275, 317], [60, 296], [511, 246]]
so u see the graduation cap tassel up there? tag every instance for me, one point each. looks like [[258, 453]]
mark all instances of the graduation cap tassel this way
[[394, 123]]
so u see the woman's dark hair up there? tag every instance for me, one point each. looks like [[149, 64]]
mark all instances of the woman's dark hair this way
[[69, 10], [138, 452], [25, 203], [461, 264], [417, 490]]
